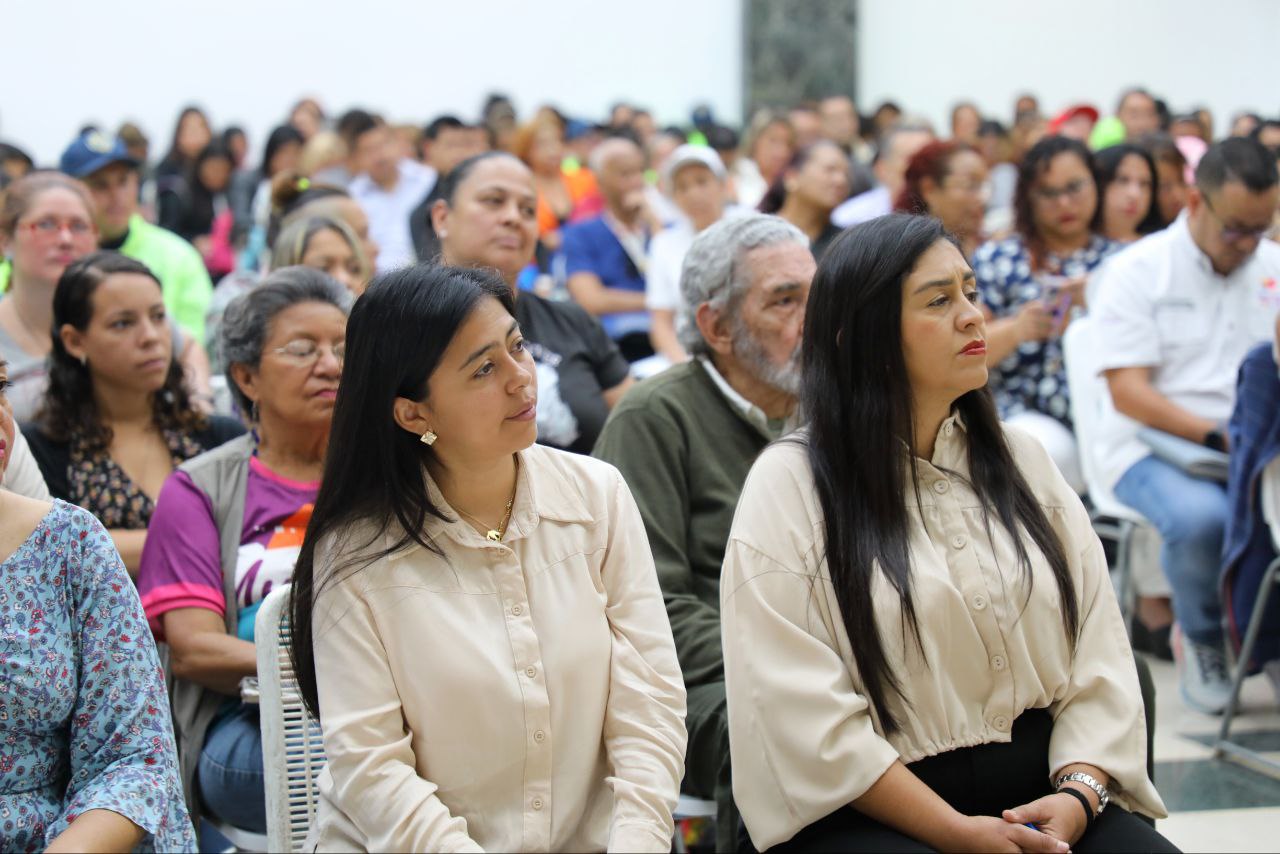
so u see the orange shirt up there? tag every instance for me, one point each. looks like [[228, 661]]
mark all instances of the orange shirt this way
[[584, 194]]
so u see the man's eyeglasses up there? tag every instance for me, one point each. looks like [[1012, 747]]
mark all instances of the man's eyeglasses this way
[[307, 352], [1234, 234], [51, 226], [1073, 190]]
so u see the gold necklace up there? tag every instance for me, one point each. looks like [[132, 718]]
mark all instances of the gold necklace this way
[[495, 535]]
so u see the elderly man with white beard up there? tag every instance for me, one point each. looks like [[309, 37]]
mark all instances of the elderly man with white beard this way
[[686, 438]]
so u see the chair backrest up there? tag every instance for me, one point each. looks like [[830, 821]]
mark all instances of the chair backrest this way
[[1090, 401], [292, 746]]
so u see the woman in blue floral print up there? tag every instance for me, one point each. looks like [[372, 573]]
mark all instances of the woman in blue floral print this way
[[87, 760], [1032, 282]]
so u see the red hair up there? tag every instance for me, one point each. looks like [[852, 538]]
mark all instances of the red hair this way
[[932, 161]]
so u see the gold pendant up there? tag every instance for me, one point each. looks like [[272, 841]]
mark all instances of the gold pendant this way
[[493, 536]]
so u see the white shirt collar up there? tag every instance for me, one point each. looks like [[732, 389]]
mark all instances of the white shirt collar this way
[[749, 410]]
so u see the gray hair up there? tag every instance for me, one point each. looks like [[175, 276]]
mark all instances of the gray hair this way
[[247, 321], [712, 272]]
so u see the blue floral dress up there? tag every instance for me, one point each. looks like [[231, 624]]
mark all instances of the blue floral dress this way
[[84, 719], [1033, 376]]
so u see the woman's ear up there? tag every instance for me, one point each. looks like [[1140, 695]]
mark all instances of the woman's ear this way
[[72, 341], [440, 218], [246, 379], [411, 415]]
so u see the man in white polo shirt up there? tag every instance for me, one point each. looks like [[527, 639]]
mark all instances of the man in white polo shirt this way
[[1177, 312]]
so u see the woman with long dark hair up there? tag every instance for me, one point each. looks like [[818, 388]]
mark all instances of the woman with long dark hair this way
[[808, 189], [197, 209], [117, 417], [477, 621], [1032, 282], [191, 133], [1127, 178], [922, 646]]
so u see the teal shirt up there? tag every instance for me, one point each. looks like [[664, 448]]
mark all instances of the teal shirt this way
[[184, 281]]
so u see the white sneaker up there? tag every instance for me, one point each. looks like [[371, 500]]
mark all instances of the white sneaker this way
[[1203, 677]]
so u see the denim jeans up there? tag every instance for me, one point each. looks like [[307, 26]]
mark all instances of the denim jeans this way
[[230, 772], [1191, 516]]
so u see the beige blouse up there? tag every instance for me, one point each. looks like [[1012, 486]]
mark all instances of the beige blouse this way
[[514, 696], [804, 738]]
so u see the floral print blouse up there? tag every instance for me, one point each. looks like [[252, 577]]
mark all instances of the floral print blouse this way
[[99, 485], [1033, 376], [84, 718]]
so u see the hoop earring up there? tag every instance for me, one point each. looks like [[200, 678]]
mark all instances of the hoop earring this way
[[429, 438]]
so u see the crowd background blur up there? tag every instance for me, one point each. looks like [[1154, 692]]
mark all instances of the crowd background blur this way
[[138, 224]]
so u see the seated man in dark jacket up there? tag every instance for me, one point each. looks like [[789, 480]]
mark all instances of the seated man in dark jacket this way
[[685, 441], [1253, 494]]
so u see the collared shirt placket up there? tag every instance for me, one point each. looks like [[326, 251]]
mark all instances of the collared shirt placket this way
[[527, 657], [962, 561]]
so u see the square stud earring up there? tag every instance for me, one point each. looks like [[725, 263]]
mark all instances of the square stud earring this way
[[429, 438]]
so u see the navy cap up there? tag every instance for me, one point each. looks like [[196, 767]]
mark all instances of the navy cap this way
[[92, 151]]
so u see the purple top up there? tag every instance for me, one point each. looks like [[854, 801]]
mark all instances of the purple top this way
[[182, 560]]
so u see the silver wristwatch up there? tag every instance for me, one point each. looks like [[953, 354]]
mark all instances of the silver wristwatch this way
[[1104, 797]]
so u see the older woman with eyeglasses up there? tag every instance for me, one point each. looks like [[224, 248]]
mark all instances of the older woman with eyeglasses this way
[[948, 179], [229, 523], [1032, 282]]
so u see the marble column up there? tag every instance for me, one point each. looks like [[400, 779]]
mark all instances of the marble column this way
[[796, 50]]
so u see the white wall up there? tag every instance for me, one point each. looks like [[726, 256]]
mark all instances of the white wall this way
[[927, 54], [247, 61]]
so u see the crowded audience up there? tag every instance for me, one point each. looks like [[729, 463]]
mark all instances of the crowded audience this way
[[631, 370]]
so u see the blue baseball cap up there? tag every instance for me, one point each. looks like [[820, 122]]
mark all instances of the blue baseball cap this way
[[92, 151]]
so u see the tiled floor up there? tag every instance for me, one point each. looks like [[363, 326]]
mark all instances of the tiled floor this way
[[1216, 805]]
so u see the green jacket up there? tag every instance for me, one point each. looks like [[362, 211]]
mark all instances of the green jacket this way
[[685, 451], [176, 263]]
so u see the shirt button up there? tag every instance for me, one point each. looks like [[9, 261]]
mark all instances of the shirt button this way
[[537, 803], [949, 429], [1000, 722], [959, 541], [997, 662], [978, 602], [941, 486], [539, 735], [531, 672], [516, 610]]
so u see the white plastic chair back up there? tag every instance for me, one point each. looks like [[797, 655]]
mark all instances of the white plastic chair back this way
[[1090, 400], [292, 747]]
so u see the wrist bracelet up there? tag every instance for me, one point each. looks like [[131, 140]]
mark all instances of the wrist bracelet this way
[[1084, 802]]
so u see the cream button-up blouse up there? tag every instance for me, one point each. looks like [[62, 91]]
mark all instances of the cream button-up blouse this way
[[805, 740], [513, 696]]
